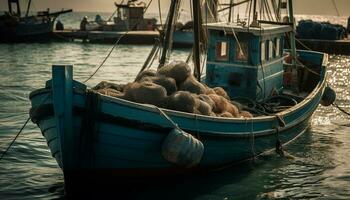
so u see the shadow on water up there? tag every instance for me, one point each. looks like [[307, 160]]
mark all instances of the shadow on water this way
[[236, 182], [180, 187]]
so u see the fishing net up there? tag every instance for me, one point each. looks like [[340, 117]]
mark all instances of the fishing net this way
[[182, 101], [225, 114], [105, 85], [111, 92], [220, 103], [173, 87], [146, 73], [207, 99], [177, 70], [192, 85], [221, 92], [145, 92], [203, 108]]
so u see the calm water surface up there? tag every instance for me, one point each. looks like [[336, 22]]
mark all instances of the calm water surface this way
[[321, 169]]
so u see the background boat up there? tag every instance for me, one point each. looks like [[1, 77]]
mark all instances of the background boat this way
[[17, 28]]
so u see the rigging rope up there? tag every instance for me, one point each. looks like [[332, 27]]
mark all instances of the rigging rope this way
[[160, 15], [302, 44], [253, 137], [14, 139], [173, 124], [340, 109], [20, 131], [335, 6], [114, 46]]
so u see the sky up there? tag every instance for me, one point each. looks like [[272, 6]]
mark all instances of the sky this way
[[319, 7]]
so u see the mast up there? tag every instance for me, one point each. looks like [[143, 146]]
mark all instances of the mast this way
[[209, 8], [28, 7], [255, 16], [196, 30], [292, 34], [167, 42], [18, 7], [230, 11]]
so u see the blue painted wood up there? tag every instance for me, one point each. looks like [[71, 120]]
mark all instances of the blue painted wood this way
[[183, 38], [252, 78], [118, 145], [62, 87]]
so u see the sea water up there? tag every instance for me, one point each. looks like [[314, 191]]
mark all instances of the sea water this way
[[320, 169]]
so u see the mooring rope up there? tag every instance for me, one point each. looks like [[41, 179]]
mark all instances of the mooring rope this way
[[340, 109], [20, 131], [14, 139], [302, 44], [253, 138], [167, 118]]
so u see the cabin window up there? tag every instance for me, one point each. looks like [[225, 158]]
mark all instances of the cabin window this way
[[271, 46], [222, 51], [262, 51], [242, 53], [278, 47]]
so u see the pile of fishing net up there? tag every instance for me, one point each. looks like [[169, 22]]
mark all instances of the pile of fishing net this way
[[308, 29], [174, 87]]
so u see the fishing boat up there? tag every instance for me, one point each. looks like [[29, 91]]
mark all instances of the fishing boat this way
[[128, 16], [90, 133], [127, 25], [17, 28], [183, 36]]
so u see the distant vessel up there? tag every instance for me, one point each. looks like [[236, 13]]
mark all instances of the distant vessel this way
[[323, 36], [17, 28], [129, 17], [183, 36], [127, 25]]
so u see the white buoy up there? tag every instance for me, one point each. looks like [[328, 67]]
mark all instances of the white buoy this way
[[182, 149]]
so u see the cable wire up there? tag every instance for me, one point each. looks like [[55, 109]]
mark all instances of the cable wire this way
[[114, 46], [340, 109], [14, 139]]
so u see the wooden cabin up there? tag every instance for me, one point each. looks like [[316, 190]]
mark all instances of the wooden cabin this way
[[246, 62], [130, 17]]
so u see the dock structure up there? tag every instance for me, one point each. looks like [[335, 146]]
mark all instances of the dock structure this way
[[131, 37], [328, 46]]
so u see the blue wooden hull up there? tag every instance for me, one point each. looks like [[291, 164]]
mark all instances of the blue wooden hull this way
[[110, 134], [183, 39]]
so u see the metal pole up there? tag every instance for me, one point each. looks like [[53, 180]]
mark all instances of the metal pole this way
[[255, 22], [28, 7], [9, 2], [230, 11], [292, 33], [196, 30], [167, 42], [254, 9]]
